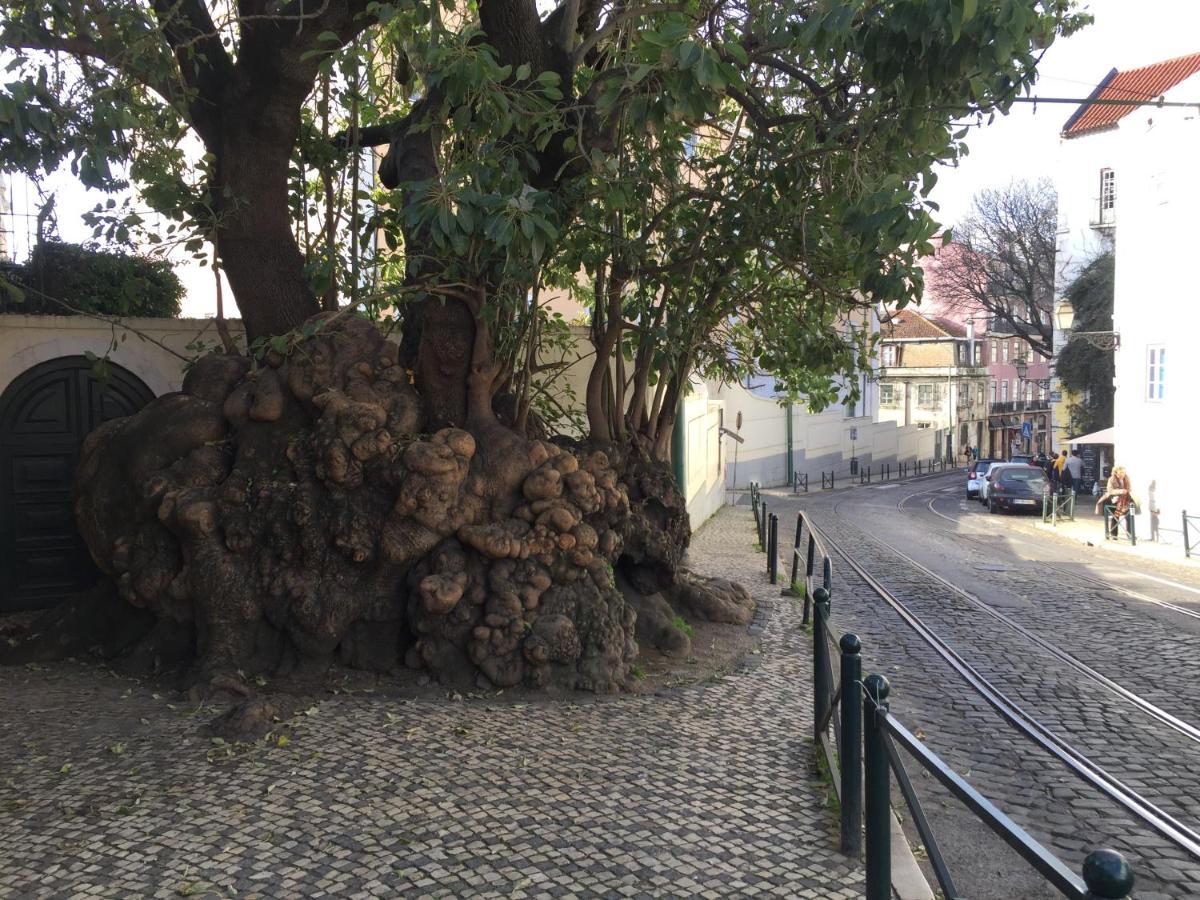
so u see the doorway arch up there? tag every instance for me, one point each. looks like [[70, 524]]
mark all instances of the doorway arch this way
[[45, 413]]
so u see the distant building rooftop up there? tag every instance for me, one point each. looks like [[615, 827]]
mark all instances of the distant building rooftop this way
[[905, 324]]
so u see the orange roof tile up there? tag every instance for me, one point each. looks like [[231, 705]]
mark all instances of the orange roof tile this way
[[1147, 83], [904, 324]]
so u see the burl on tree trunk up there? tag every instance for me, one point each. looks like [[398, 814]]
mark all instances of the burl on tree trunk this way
[[295, 514]]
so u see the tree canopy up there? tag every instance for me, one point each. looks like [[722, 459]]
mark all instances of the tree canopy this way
[[723, 181], [1006, 262], [1083, 368]]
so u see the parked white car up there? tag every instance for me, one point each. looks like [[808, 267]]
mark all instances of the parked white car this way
[[976, 473]]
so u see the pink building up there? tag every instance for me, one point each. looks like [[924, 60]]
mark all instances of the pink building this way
[[1018, 377]]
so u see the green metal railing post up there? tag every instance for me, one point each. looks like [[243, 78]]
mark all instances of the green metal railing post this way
[[1107, 875], [877, 793], [851, 746], [821, 689], [773, 548], [762, 527]]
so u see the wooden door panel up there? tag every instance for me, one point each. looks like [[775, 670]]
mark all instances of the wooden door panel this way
[[44, 416]]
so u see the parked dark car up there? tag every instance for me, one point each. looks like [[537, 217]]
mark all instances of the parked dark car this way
[[976, 472], [1017, 488]]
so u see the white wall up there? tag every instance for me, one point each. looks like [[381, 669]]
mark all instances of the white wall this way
[[26, 341], [1157, 296], [704, 476], [820, 442]]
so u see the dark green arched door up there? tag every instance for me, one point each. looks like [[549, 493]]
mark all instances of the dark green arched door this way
[[44, 416]]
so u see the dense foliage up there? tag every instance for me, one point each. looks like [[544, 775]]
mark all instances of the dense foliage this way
[[1083, 368], [68, 279], [734, 178]]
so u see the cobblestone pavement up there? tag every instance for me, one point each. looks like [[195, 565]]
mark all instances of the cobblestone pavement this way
[[1147, 649], [701, 792]]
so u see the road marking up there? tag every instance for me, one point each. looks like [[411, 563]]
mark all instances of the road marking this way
[[884, 487], [1175, 584]]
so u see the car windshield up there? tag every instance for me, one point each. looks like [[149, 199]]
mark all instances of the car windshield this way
[[981, 467], [1028, 476]]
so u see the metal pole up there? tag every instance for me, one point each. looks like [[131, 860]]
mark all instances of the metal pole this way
[[821, 689], [773, 548], [1187, 547], [827, 577], [762, 528], [796, 549], [877, 795], [851, 747]]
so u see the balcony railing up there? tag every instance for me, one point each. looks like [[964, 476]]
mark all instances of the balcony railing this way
[[1015, 406]]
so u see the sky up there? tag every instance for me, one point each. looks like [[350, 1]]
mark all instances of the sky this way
[[1024, 144], [1021, 145]]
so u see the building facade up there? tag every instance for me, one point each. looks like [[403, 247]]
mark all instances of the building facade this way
[[931, 376], [1140, 163], [1018, 394]]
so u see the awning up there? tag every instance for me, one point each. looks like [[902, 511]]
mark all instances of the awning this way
[[1103, 436]]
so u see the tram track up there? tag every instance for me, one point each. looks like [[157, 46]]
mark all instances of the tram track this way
[[1164, 823], [1049, 565]]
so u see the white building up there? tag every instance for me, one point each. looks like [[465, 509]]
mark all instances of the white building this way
[[1140, 162]]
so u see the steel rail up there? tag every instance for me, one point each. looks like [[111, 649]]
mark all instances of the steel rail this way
[[1086, 578], [1160, 821], [1185, 728]]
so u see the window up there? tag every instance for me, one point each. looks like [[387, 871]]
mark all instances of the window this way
[[889, 354], [993, 390], [887, 395], [1004, 348], [928, 394], [1156, 372], [980, 393], [1108, 196], [994, 357], [1004, 391]]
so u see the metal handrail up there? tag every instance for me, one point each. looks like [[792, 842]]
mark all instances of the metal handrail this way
[[1058, 506], [1105, 872], [1188, 544], [862, 752]]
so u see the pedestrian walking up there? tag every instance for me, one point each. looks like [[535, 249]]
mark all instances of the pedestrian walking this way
[[1075, 464], [1060, 463], [1118, 495]]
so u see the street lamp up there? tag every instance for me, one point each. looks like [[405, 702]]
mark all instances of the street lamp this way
[[1021, 364], [1064, 317]]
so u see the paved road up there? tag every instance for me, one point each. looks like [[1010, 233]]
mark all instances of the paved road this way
[[706, 791], [1149, 649]]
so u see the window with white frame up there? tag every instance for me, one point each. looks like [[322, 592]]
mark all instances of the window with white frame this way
[[962, 354], [1004, 391], [889, 354], [887, 395], [993, 357], [1156, 372], [993, 390], [1004, 351], [928, 394], [1108, 196], [979, 393]]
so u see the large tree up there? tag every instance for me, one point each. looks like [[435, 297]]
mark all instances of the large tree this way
[[1004, 260], [1082, 368], [721, 181]]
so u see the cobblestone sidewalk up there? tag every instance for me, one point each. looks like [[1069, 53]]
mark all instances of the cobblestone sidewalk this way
[[701, 792]]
